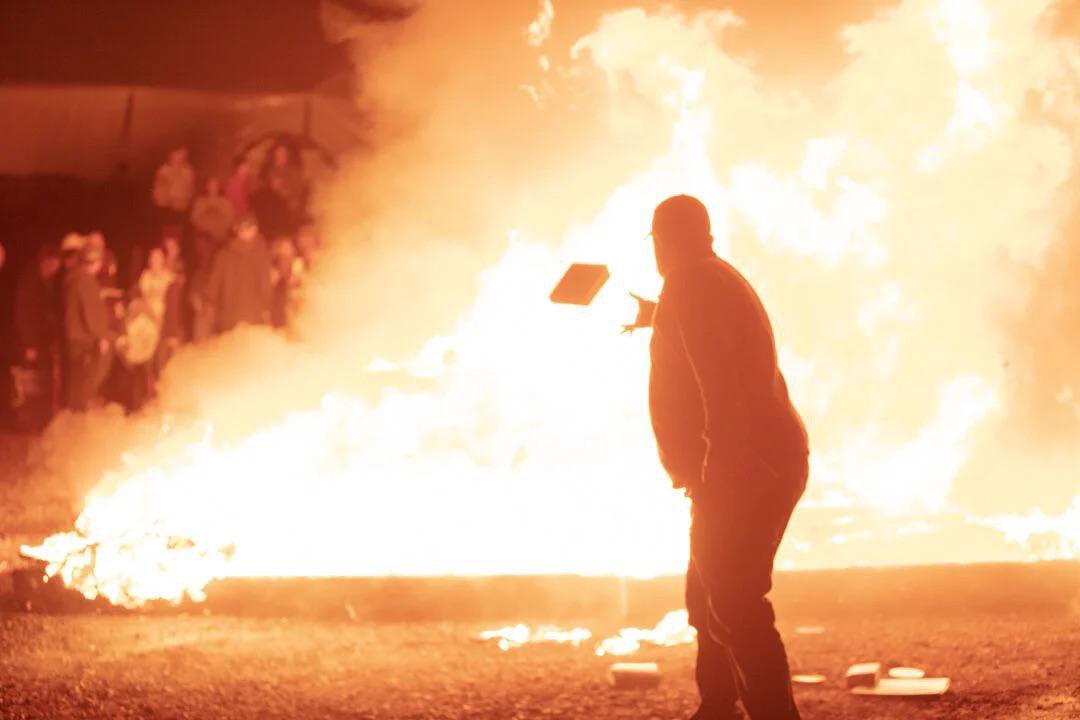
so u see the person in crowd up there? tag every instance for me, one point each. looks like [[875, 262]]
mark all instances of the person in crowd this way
[[239, 284], [285, 177], [174, 187], [87, 332], [729, 435], [37, 329], [154, 283], [109, 277], [286, 277], [240, 187], [160, 287], [281, 200], [307, 244], [212, 218], [174, 256], [36, 309], [137, 349], [71, 248], [3, 256]]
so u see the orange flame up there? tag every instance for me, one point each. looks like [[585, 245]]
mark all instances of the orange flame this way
[[873, 216]]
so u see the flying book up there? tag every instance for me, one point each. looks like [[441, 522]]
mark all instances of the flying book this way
[[579, 284]]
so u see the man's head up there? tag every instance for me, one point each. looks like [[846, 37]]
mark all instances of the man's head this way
[[92, 260], [155, 260], [96, 240], [179, 156], [213, 186], [281, 155], [247, 228], [48, 259], [681, 231]]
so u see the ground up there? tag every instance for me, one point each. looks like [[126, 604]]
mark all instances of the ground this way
[[1007, 635], [197, 666]]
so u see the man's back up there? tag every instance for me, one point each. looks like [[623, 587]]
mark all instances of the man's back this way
[[716, 391], [86, 319], [239, 285]]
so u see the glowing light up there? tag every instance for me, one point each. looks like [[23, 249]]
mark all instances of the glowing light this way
[[516, 440]]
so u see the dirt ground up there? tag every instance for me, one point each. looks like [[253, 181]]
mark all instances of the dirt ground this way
[[1008, 636], [197, 666]]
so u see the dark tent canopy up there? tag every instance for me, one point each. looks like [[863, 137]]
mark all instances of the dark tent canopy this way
[[225, 45], [100, 88]]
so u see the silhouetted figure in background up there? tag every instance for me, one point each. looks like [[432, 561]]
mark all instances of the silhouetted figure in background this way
[[212, 217], [37, 330], [238, 288], [174, 188], [727, 433], [87, 332]]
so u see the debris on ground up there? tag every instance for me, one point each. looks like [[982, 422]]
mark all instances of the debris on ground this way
[[906, 687], [808, 679], [626, 676], [865, 674]]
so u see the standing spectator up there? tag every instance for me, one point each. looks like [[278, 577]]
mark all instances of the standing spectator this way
[[240, 188], [174, 187], [160, 287], [212, 217], [36, 308], [108, 278], [239, 284], [154, 283], [71, 248], [37, 329], [87, 335], [281, 202], [174, 257], [285, 177], [307, 244], [285, 277]]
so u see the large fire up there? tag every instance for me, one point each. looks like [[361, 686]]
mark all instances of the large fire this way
[[883, 218]]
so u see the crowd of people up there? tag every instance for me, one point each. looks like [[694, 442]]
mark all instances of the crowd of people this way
[[235, 253]]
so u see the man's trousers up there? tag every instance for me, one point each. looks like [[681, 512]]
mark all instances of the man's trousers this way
[[737, 526]]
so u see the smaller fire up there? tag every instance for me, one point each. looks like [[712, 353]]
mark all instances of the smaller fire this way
[[515, 636], [673, 630]]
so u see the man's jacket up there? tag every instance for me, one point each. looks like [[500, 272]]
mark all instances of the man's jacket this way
[[239, 284], [86, 318], [718, 401], [35, 313]]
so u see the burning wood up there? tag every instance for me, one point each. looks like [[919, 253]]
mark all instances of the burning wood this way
[[515, 636], [672, 630]]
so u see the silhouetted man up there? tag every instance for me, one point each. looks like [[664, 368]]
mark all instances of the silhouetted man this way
[[87, 332], [727, 433], [239, 288]]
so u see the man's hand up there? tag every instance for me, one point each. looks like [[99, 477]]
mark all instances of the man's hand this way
[[103, 346], [31, 355], [644, 318]]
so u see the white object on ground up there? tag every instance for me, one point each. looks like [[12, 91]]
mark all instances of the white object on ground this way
[[634, 675], [808, 679], [809, 630], [863, 674], [906, 687], [906, 673]]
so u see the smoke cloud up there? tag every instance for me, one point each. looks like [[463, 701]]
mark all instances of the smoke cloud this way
[[907, 223]]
